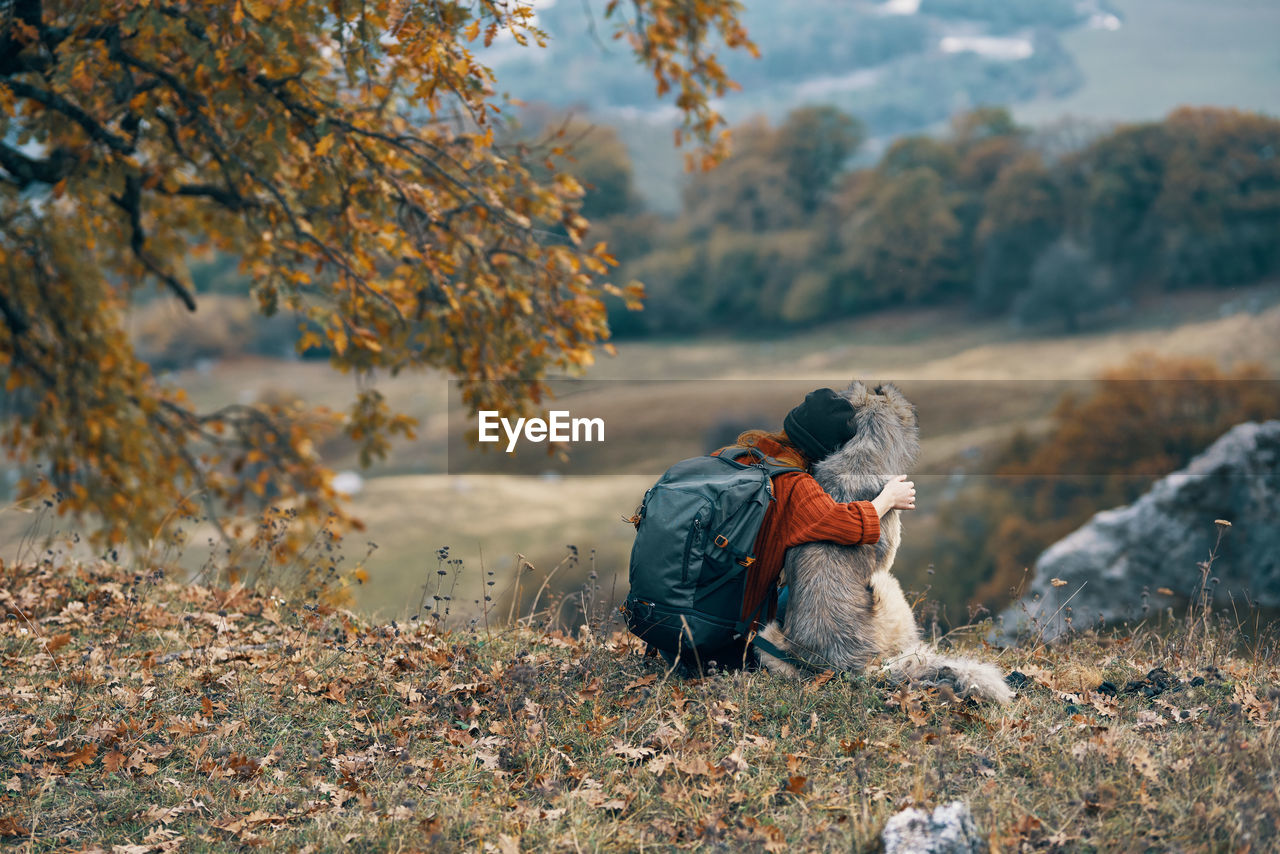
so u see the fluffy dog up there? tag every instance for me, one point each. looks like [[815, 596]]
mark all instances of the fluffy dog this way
[[845, 610]]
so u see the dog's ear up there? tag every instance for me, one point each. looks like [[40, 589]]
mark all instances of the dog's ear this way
[[906, 409], [854, 390]]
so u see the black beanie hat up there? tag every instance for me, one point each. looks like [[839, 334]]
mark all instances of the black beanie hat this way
[[820, 425]]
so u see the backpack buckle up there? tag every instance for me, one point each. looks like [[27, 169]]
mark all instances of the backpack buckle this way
[[722, 541], [747, 561]]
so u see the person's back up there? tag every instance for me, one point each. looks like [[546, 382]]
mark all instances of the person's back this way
[[802, 512]]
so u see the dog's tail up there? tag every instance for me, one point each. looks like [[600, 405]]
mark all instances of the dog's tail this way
[[923, 663]]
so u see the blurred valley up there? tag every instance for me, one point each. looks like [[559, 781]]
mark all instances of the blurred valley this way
[[919, 190], [952, 550]]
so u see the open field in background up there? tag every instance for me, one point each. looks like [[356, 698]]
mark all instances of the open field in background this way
[[1169, 53], [414, 515], [486, 520], [412, 508]]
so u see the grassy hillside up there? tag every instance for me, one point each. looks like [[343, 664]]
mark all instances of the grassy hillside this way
[[155, 716]]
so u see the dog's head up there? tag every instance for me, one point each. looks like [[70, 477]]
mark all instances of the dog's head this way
[[888, 437], [882, 409]]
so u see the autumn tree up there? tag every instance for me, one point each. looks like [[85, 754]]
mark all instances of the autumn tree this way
[[1112, 185], [902, 243], [1190, 200], [1066, 285], [346, 154], [919, 152], [751, 191], [814, 143], [596, 155], [1022, 215], [1219, 206], [912, 221]]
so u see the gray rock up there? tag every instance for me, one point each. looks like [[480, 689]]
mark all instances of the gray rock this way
[[948, 830], [1160, 539]]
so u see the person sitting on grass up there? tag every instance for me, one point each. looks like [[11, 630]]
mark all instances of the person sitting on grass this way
[[802, 511]]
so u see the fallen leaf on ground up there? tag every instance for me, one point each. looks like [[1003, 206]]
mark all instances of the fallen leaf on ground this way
[[82, 757], [797, 784], [627, 751], [640, 682]]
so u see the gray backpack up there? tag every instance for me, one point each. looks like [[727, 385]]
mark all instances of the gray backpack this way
[[695, 532]]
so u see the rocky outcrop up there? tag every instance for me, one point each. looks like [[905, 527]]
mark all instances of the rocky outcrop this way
[[1158, 541], [949, 829]]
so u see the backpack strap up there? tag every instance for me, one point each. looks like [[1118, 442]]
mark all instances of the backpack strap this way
[[745, 628], [780, 654], [772, 465]]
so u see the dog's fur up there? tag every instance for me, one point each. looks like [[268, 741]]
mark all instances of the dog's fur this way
[[845, 610]]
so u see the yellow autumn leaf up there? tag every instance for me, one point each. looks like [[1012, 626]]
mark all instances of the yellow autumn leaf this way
[[258, 9]]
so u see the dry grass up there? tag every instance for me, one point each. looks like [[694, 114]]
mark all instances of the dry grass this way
[[139, 712], [486, 520]]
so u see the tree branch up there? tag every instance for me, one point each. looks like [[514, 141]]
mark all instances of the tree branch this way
[[27, 170], [17, 324], [54, 101], [229, 199], [28, 12], [130, 201]]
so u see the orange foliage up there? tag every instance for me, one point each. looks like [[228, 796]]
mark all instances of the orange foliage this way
[[346, 153], [1144, 419]]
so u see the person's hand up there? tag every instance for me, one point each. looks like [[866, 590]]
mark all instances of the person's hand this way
[[898, 494]]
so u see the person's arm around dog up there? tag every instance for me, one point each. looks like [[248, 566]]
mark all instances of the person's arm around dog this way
[[808, 514], [898, 494]]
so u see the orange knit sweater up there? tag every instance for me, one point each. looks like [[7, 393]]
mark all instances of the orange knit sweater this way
[[802, 512]]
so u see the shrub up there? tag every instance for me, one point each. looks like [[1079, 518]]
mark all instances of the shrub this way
[[1066, 286]]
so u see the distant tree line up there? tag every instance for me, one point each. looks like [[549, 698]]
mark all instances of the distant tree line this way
[[1062, 227]]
